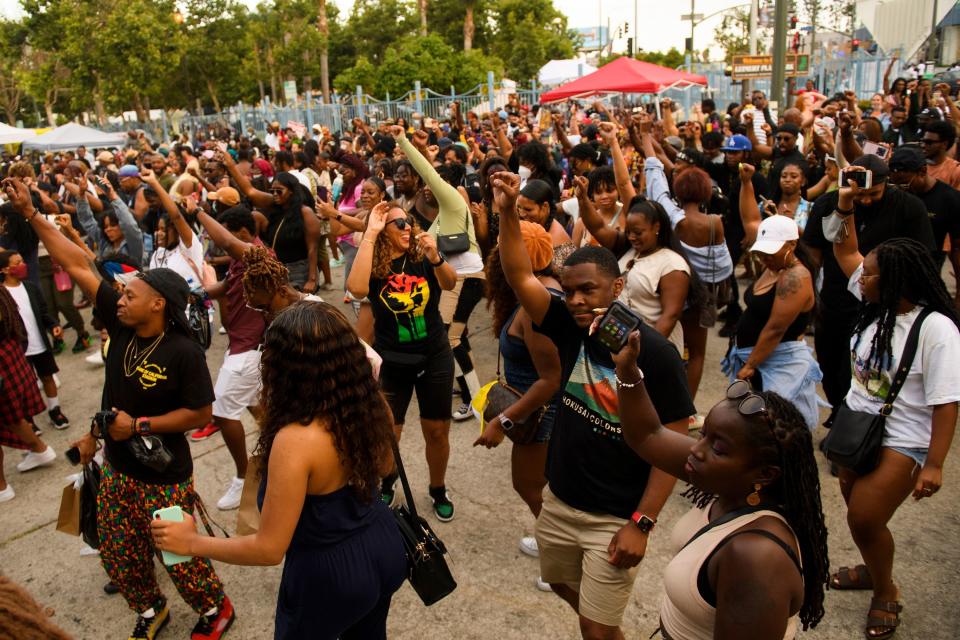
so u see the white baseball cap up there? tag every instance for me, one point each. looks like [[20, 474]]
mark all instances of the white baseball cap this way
[[774, 232]]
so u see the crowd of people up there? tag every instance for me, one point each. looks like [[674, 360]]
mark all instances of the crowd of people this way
[[826, 224]]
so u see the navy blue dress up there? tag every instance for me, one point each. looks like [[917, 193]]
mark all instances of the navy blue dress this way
[[345, 561]]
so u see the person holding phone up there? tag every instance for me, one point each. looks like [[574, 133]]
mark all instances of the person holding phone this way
[[602, 500], [117, 232], [156, 384]]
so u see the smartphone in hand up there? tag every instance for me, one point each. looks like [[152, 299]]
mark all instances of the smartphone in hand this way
[[616, 326], [175, 514]]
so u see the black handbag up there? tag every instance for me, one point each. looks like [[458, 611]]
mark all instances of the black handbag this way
[[856, 437], [147, 450], [500, 397], [88, 504], [454, 243], [427, 569]]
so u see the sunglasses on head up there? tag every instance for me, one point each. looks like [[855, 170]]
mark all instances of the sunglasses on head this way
[[402, 223], [750, 403]]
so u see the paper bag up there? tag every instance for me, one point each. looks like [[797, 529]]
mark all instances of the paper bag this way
[[248, 517], [68, 519]]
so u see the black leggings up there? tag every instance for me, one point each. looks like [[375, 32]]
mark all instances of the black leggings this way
[[470, 295], [832, 343]]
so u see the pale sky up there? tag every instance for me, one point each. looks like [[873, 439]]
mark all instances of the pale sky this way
[[659, 29]]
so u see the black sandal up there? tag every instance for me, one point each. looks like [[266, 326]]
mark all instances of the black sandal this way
[[883, 626]]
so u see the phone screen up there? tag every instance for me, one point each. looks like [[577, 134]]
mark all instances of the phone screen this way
[[615, 326], [863, 179]]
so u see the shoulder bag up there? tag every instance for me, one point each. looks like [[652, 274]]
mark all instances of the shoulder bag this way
[[856, 437], [499, 398], [456, 243], [717, 293], [427, 569]]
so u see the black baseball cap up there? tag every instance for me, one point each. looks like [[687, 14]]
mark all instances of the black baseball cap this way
[[875, 164], [173, 288], [907, 159]]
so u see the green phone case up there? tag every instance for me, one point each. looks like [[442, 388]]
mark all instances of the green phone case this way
[[176, 515]]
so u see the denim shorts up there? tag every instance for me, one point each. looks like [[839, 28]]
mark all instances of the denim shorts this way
[[916, 454]]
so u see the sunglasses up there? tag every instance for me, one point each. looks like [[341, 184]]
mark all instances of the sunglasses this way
[[278, 192], [750, 403], [402, 223]]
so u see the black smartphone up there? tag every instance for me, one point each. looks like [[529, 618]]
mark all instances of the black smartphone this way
[[616, 325], [322, 194], [73, 455]]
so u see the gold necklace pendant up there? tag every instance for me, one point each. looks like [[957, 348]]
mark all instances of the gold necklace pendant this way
[[134, 357]]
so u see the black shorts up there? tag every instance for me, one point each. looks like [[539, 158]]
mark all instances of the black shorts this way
[[431, 377], [43, 364]]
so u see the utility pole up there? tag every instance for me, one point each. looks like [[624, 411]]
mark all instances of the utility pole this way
[[636, 28], [779, 53], [751, 44], [694, 19]]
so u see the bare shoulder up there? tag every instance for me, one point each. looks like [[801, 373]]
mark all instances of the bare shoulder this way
[[792, 281]]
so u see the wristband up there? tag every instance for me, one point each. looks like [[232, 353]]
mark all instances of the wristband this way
[[33, 215], [628, 385], [339, 215], [644, 522], [843, 212], [438, 262]]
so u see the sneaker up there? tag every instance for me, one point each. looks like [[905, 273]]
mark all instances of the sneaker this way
[[95, 358], [87, 550], [463, 412], [204, 433], [149, 627], [231, 499], [442, 507], [388, 491], [222, 331], [7, 494], [528, 546], [82, 344], [58, 419], [33, 460], [543, 586], [214, 626], [58, 346], [339, 262]]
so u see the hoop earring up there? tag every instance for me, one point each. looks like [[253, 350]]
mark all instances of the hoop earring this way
[[754, 498]]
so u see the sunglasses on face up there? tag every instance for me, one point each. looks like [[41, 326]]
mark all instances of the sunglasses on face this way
[[278, 192], [402, 223]]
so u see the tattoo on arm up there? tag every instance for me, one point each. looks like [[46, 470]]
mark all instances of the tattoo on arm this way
[[789, 284]]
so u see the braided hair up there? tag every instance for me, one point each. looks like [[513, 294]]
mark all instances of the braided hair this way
[[263, 272], [907, 271], [781, 439], [11, 325]]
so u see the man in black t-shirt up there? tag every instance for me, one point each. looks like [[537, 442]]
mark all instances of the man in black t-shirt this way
[[602, 499], [908, 170], [881, 213], [158, 385]]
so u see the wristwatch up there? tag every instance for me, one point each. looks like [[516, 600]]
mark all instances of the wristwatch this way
[[339, 215], [438, 262], [644, 523], [141, 426], [505, 423]]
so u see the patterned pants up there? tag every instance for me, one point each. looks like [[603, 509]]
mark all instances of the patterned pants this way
[[125, 507]]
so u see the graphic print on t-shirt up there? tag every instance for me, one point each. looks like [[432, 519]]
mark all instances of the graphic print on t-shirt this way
[[149, 374], [874, 382], [591, 392], [407, 296]]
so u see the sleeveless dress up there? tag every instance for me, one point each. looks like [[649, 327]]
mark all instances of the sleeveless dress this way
[[684, 613]]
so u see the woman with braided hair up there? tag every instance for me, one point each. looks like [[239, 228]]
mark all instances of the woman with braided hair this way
[[751, 557], [896, 282]]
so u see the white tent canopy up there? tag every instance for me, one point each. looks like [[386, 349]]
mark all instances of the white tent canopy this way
[[73, 135], [13, 135], [560, 71]]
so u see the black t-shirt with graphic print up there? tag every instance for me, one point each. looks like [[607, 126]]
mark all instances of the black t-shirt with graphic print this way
[[173, 376], [406, 312], [589, 466]]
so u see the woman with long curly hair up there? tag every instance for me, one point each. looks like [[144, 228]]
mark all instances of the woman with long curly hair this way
[[400, 270], [324, 442], [896, 282], [531, 365], [751, 555]]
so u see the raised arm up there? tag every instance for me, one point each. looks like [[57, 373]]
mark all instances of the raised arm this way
[[531, 293], [761, 151], [659, 190], [234, 247], [257, 198], [187, 237], [847, 251], [608, 131], [749, 211], [58, 246], [560, 131], [132, 234], [358, 280], [849, 146], [886, 75], [610, 237]]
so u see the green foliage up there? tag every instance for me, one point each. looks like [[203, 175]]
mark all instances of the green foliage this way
[[529, 34], [733, 34]]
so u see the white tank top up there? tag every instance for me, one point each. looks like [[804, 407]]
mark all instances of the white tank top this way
[[684, 614]]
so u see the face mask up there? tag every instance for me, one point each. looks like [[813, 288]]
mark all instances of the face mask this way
[[524, 173], [19, 272]]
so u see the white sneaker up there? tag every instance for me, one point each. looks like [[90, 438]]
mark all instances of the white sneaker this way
[[222, 331], [95, 358], [7, 494], [87, 550], [528, 546], [463, 412], [33, 460], [543, 586], [231, 499]]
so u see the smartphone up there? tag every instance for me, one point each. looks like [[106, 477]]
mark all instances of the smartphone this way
[[174, 514], [73, 455], [878, 150], [322, 194], [863, 179], [616, 325], [52, 219]]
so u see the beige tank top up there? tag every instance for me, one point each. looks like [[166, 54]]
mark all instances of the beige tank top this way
[[641, 288], [684, 614]]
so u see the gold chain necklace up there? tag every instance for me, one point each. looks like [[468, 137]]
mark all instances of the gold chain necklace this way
[[402, 266], [134, 357]]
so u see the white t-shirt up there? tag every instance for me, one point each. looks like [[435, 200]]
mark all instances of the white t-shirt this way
[[35, 343], [933, 379], [176, 259]]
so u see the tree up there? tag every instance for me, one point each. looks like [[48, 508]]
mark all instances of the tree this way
[[422, 13], [529, 34], [362, 73], [324, 28], [733, 34], [463, 23], [13, 36]]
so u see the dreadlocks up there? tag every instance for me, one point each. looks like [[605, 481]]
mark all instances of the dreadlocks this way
[[782, 439], [263, 272], [23, 618], [907, 271]]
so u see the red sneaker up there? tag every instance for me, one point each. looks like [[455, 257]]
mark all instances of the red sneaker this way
[[215, 626], [205, 432]]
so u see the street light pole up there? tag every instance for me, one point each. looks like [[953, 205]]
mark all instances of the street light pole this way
[[779, 53]]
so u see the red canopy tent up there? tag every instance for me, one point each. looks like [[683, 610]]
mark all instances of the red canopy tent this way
[[625, 75]]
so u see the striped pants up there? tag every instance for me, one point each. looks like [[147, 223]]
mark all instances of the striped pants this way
[[125, 507]]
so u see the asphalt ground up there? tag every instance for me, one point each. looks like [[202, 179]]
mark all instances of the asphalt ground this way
[[496, 597]]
